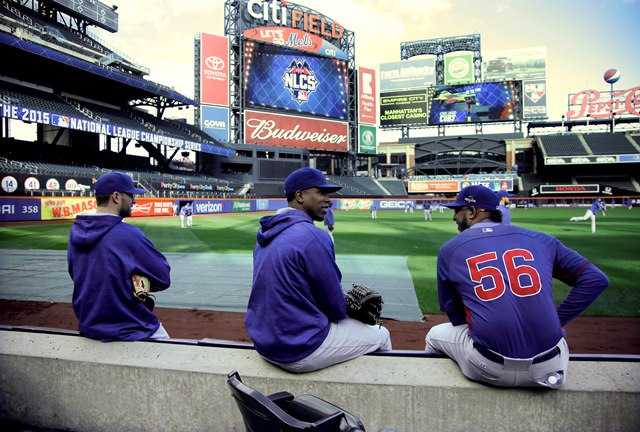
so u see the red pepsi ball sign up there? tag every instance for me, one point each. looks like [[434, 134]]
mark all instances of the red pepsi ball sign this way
[[612, 76]]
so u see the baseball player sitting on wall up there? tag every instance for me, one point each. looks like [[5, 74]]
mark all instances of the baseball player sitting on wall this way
[[495, 285], [114, 266], [297, 311]]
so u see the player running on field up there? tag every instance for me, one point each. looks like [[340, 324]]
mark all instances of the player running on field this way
[[597, 206]]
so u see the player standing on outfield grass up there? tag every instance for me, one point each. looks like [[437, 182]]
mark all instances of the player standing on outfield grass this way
[[591, 213], [426, 207], [374, 211], [329, 221], [104, 253], [503, 196], [495, 283], [186, 214]]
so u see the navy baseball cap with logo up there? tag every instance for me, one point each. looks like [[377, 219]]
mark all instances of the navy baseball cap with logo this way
[[307, 178], [478, 196], [503, 193], [116, 182]]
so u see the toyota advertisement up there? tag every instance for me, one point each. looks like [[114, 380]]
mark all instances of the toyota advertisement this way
[[214, 70]]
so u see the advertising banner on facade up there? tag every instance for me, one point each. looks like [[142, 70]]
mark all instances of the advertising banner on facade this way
[[367, 96], [367, 139], [290, 131], [516, 64], [215, 122], [534, 99], [458, 68], [294, 38], [214, 69], [602, 105], [407, 74], [401, 108]]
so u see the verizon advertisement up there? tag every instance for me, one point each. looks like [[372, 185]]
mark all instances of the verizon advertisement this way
[[299, 132], [367, 102], [214, 70]]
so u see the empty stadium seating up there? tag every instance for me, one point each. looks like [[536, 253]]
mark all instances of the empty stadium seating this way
[[562, 145], [610, 144]]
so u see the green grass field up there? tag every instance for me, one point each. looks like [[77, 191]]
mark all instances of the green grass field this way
[[614, 248]]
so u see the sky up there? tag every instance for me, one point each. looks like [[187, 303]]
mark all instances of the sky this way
[[583, 38]]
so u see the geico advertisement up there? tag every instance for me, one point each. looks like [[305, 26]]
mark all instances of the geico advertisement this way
[[152, 207], [396, 204], [66, 208]]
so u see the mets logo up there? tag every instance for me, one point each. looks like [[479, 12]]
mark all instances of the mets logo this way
[[300, 79]]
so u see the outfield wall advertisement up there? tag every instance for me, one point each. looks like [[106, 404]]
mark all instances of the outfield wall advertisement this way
[[67, 208]]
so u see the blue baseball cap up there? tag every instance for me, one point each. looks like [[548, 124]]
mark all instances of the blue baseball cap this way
[[477, 196], [116, 182], [503, 193], [307, 178]]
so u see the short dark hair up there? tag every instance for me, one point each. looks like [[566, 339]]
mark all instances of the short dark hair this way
[[495, 215], [102, 199]]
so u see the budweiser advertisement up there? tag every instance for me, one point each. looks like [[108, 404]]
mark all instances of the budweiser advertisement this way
[[291, 131]]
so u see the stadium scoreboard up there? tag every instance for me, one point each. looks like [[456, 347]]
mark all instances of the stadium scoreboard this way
[[93, 11]]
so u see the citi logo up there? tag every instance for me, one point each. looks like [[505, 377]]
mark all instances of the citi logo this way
[[214, 63]]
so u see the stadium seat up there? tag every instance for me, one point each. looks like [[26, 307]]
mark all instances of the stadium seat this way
[[283, 412]]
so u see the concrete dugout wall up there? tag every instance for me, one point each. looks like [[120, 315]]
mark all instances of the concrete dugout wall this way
[[70, 382]]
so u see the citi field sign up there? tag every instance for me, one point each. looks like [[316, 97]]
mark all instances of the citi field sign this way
[[267, 13]]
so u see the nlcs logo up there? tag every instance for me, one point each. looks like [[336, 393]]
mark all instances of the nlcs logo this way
[[300, 80]]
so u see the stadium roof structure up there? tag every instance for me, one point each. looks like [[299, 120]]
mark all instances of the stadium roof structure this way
[[27, 61]]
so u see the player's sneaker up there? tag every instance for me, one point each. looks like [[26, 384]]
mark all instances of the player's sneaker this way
[[572, 219]]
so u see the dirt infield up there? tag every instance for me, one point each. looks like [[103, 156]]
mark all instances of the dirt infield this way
[[585, 335]]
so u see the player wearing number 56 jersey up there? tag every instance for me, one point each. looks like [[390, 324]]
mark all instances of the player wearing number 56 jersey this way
[[495, 285]]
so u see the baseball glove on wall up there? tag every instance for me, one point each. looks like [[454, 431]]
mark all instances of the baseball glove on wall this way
[[364, 304], [141, 289]]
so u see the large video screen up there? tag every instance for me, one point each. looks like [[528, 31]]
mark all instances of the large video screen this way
[[475, 103], [298, 82]]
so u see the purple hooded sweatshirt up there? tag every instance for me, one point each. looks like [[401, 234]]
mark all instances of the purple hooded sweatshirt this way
[[103, 253], [297, 288]]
